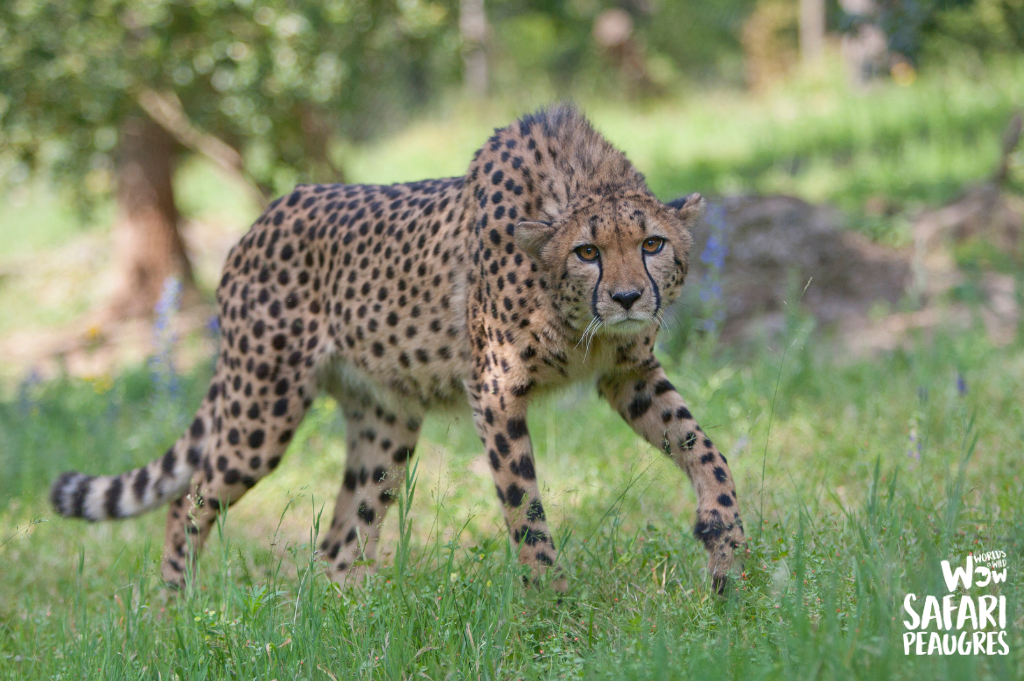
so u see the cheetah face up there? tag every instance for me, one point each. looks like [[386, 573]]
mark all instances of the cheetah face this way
[[618, 262]]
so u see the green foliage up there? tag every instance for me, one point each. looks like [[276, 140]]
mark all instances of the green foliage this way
[[937, 32], [548, 47], [278, 80], [850, 524]]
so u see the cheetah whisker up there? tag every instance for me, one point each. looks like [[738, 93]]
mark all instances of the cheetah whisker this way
[[593, 321], [586, 353]]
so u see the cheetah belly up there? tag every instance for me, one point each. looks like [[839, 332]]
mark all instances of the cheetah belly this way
[[438, 385]]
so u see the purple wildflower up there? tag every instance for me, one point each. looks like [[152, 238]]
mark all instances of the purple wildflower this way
[[713, 255], [162, 362]]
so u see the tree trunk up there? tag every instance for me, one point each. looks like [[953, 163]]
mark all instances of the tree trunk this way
[[812, 30], [473, 27], [147, 246]]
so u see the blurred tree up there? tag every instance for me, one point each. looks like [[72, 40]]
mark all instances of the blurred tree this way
[[608, 47], [812, 30], [91, 90], [984, 27], [906, 24], [770, 42], [473, 28]]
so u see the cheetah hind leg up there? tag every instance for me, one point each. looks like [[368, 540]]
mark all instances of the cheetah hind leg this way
[[380, 444]]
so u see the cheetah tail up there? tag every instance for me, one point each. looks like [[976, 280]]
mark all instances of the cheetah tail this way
[[107, 497]]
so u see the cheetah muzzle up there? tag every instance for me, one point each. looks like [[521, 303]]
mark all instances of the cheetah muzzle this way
[[549, 262]]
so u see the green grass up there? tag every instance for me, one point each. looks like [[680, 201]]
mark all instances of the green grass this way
[[842, 520], [841, 526]]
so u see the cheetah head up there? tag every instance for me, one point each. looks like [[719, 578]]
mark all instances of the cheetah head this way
[[618, 261]]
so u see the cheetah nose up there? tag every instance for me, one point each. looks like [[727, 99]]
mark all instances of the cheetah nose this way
[[626, 298]]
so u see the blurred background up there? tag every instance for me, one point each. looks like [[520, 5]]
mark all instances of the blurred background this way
[[139, 138], [852, 314]]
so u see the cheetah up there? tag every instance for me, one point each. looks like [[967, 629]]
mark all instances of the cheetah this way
[[549, 262]]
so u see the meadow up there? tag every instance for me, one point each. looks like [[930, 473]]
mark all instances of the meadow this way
[[856, 475]]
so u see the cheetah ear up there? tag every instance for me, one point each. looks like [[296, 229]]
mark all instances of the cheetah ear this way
[[533, 236], [688, 208]]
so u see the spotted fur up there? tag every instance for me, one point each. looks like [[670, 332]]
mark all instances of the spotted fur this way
[[396, 299]]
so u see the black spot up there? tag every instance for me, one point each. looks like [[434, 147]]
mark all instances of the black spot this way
[[688, 441], [532, 537], [280, 340], [256, 439], [525, 468], [725, 500], [720, 474], [522, 390], [366, 513], [502, 444], [495, 461], [663, 386], [401, 454], [683, 413], [140, 483], [516, 428], [708, 532], [198, 428], [231, 477], [351, 536], [167, 463], [536, 511], [707, 458], [544, 558], [379, 473], [350, 480], [639, 406], [514, 494], [280, 407]]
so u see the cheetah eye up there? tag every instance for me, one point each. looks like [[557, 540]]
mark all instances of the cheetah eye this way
[[588, 253], [653, 244]]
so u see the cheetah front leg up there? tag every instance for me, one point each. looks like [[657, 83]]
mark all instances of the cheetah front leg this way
[[500, 419], [651, 405]]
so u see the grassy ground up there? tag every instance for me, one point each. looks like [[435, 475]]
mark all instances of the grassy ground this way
[[846, 514], [856, 477]]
